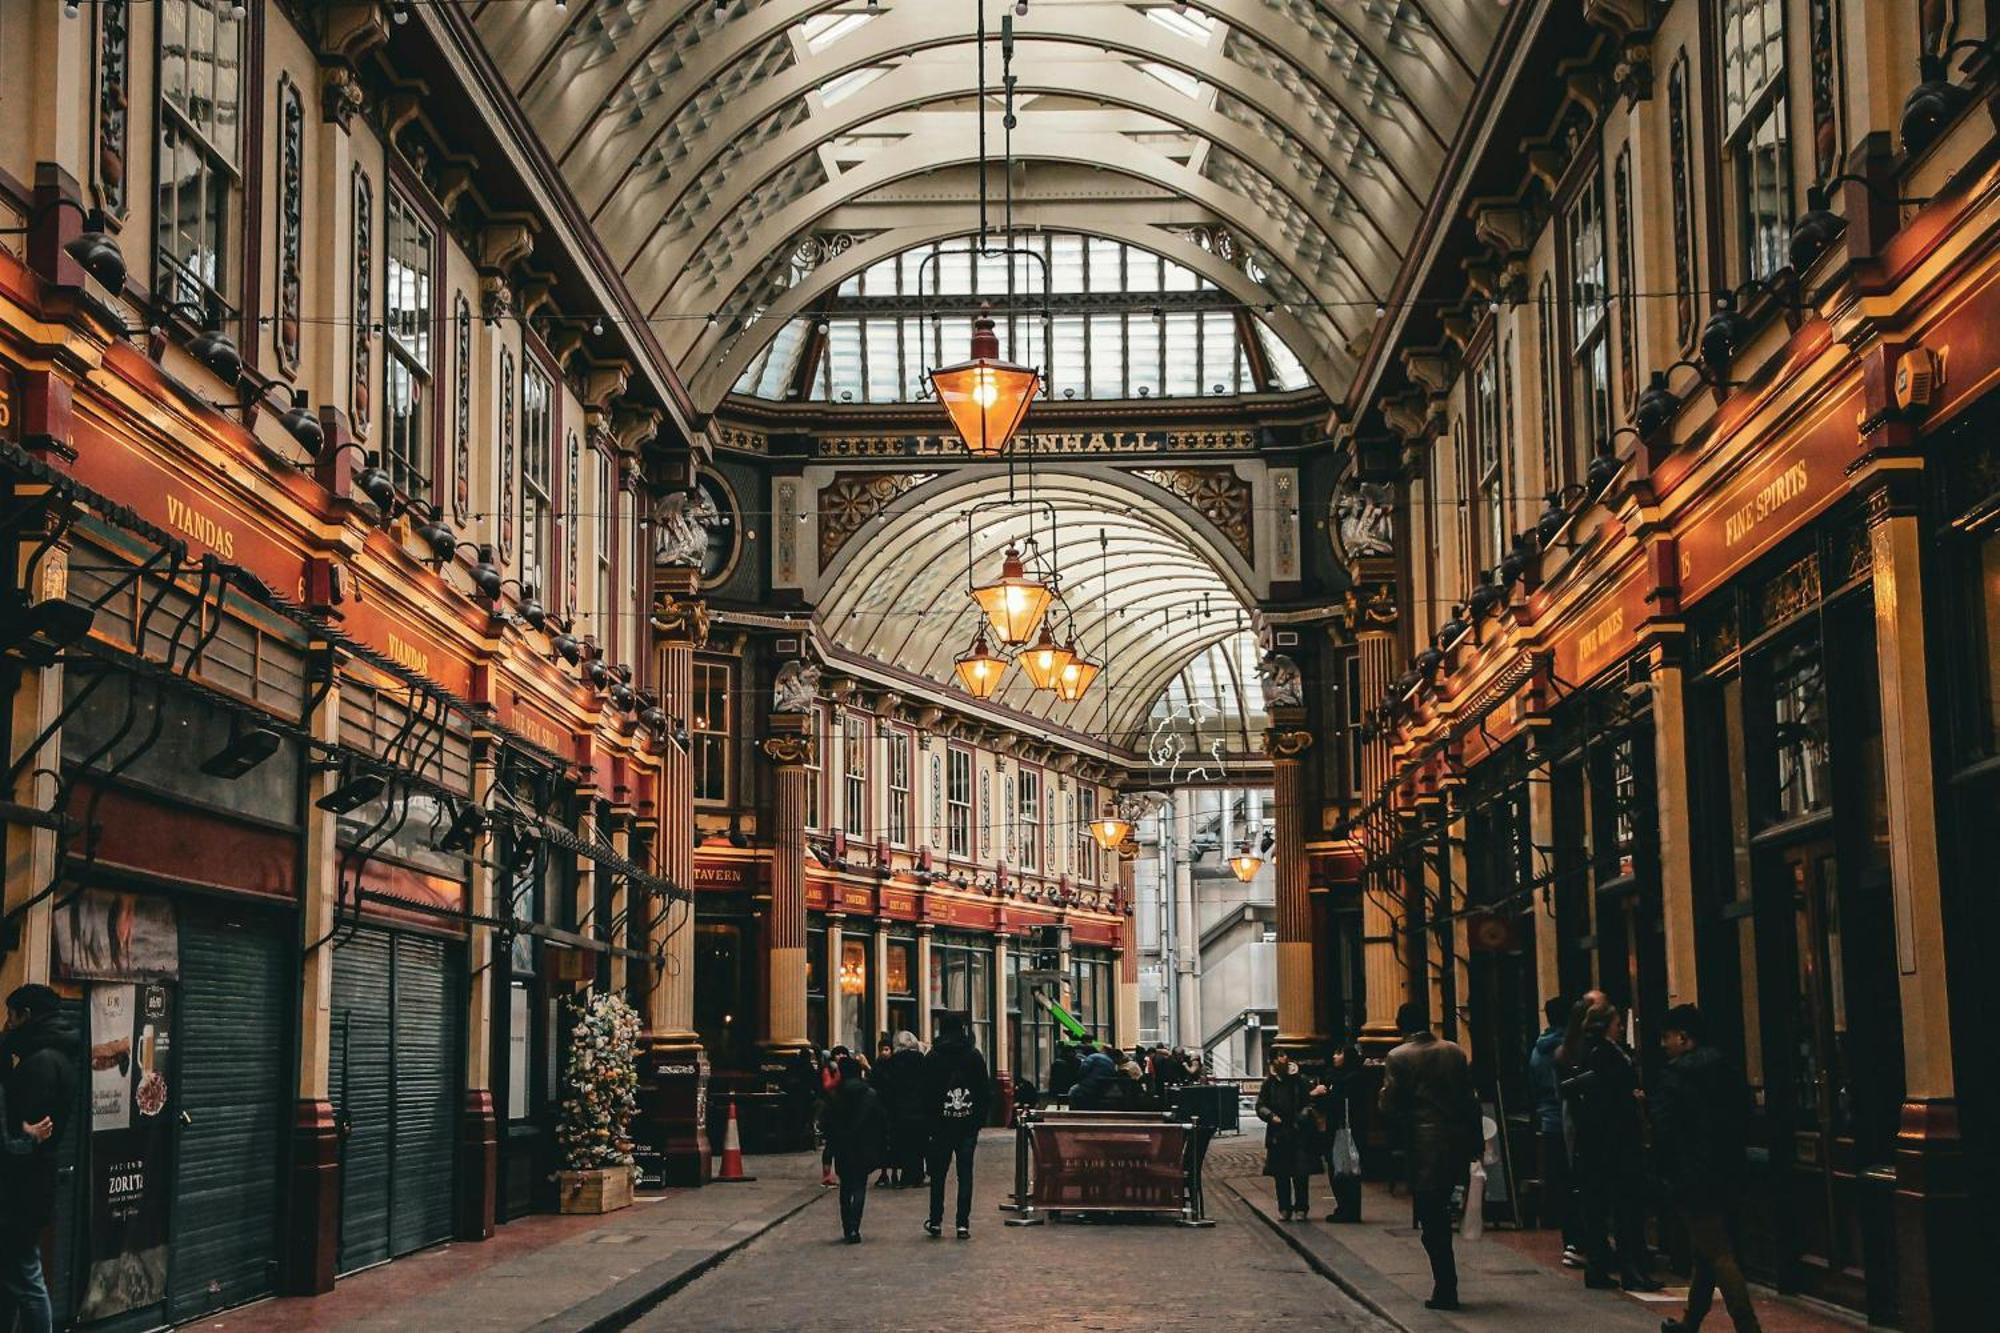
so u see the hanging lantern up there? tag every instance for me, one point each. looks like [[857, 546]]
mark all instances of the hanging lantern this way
[[986, 397], [1075, 677], [1015, 604], [981, 669], [1045, 661], [1246, 863], [1110, 828]]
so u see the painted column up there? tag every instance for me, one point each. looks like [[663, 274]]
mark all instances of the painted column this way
[[1286, 742], [790, 748], [1384, 977], [673, 1066], [1455, 938], [1674, 799], [1128, 952], [619, 829], [479, 1126], [1001, 1056], [837, 1000], [313, 1233], [1937, 1251], [924, 983], [31, 848], [878, 964], [1548, 940], [1188, 1029]]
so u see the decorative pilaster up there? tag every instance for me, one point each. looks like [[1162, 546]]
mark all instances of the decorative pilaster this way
[[479, 1127], [1286, 742], [878, 962], [673, 1065], [1384, 985], [789, 747], [1674, 801], [1001, 1056], [924, 982], [837, 1000], [313, 1236], [25, 939]]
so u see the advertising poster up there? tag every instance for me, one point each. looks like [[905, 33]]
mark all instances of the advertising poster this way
[[106, 936], [131, 1073]]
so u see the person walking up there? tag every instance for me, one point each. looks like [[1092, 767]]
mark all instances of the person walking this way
[[959, 1098], [900, 1080], [1341, 1110], [1700, 1113], [41, 1058], [1606, 1110], [857, 1135], [1427, 1095], [1285, 1103], [1552, 1143]]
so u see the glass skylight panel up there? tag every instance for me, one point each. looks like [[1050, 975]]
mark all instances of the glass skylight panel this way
[[843, 86], [823, 30], [1193, 24], [843, 360], [1142, 270], [1106, 273], [953, 273], [992, 274], [1183, 358], [884, 368], [1107, 356], [954, 341], [1187, 85], [1285, 367], [1218, 351], [1180, 278], [1066, 263], [1142, 347], [1066, 361], [879, 279]]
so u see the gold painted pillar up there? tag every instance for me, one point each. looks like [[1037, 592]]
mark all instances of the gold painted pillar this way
[[878, 962], [790, 748], [619, 831], [1000, 1056], [1385, 978], [1286, 742], [479, 1126], [1937, 1250], [674, 1067], [837, 1000], [1454, 938], [924, 983], [1674, 799], [1548, 940], [31, 848]]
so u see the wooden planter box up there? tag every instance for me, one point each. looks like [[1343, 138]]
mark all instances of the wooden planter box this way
[[604, 1190]]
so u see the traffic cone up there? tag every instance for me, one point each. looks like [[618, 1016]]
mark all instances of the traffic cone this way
[[729, 1163]]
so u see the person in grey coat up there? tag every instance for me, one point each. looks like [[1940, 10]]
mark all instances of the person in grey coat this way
[[1427, 1097]]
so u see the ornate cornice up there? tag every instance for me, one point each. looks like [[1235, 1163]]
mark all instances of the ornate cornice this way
[[851, 499], [791, 751], [1216, 493]]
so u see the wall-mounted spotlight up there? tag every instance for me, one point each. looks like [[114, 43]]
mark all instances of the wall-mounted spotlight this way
[[354, 792], [468, 821], [247, 748], [1936, 101], [93, 249], [438, 535]]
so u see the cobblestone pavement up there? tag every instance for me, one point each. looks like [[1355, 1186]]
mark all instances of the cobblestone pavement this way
[[1103, 1276]]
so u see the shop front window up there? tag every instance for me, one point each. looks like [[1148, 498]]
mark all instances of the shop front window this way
[[816, 1015], [901, 981], [1798, 731], [962, 983]]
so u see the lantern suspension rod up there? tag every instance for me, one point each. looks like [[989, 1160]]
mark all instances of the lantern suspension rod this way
[[1011, 503]]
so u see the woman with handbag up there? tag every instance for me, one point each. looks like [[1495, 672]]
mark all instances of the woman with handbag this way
[[1341, 1109]]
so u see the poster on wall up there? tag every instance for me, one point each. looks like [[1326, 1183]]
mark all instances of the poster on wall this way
[[107, 936], [131, 1073]]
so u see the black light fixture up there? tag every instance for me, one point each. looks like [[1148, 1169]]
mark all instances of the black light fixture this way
[[217, 351], [1514, 565], [93, 249], [567, 646], [375, 482], [437, 534], [531, 610], [1935, 102], [1551, 520], [1816, 230], [297, 418], [1656, 405], [486, 576], [353, 793], [247, 748], [1428, 662], [1723, 336], [55, 623], [1452, 630], [468, 821], [1485, 598], [1604, 465], [597, 673]]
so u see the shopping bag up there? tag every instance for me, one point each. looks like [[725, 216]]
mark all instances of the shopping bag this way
[[1343, 1159], [1474, 1224]]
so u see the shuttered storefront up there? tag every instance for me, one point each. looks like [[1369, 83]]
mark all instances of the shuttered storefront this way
[[233, 1038], [395, 1079]]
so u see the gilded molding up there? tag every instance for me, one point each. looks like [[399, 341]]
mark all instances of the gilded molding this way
[[790, 751], [1282, 743], [1216, 493], [848, 501], [681, 619]]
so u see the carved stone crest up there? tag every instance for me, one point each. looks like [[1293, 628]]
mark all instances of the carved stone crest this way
[[1284, 687], [681, 522], [681, 618], [1363, 517], [795, 688]]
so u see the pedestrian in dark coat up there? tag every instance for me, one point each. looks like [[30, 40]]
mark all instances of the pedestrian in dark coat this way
[[41, 1060], [1427, 1096], [1064, 1069], [1292, 1152], [857, 1134], [1602, 1089], [1700, 1113], [959, 1099], [1096, 1084], [900, 1080], [1558, 1195], [1343, 1116]]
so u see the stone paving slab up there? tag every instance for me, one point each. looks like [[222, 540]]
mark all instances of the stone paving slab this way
[[552, 1273], [1507, 1280]]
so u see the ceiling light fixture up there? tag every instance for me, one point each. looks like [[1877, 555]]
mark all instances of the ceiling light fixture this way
[[1014, 603], [1246, 863], [986, 396], [979, 669], [1045, 660]]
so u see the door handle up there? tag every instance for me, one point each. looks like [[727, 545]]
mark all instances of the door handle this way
[[186, 1119]]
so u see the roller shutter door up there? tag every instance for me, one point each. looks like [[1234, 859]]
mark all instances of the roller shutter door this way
[[232, 1029], [397, 1025]]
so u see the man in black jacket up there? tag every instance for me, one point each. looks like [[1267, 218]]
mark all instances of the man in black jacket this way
[[40, 1059], [960, 1096], [1699, 1114]]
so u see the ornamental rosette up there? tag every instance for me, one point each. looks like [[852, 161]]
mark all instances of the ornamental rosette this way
[[600, 1083]]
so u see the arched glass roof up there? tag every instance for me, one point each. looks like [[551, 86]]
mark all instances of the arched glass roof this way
[[1109, 320], [1218, 697]]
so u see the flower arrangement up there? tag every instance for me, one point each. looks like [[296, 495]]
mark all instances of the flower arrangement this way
[[600, 1084]]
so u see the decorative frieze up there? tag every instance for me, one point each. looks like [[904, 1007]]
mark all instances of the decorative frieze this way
[[1628, 284], [1681, 176], [114, 94], [505, 526], [1053, 443], [1217, 494], [361, 401], [461, 434], [851, 499], [291, 222]]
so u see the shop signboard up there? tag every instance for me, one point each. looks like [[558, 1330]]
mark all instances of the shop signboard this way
[[1109, 1167]]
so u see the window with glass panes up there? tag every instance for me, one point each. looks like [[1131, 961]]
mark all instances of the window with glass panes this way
[[607, 509], [1122, 322], [1091, 989], [901, 980], [1589, 322], [406, 440], [816, 982], [814, 777], [958, 800], [962, 982], [1028, 813], [538, 418], [626, 615], [710, 731], [1750, 36], [201, 135], [1031, 1033], [896, 753], [1083, 809], [854, 735], [1493, 462]]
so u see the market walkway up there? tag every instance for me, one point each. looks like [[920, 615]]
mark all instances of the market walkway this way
[[1134, 1274]]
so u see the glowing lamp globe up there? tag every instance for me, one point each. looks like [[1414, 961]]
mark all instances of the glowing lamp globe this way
[[1246, 863], [1045, 661], [1075, 678], [981, 669], [986, 397], [1110, 828], [1014, 604]]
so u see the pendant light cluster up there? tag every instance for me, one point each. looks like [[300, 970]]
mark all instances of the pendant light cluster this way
[[1016, 608]]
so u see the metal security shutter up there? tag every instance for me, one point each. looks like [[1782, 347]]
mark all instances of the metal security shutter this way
[[397, 1025], [236, 995], [360, 1082], [428, 1016]]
